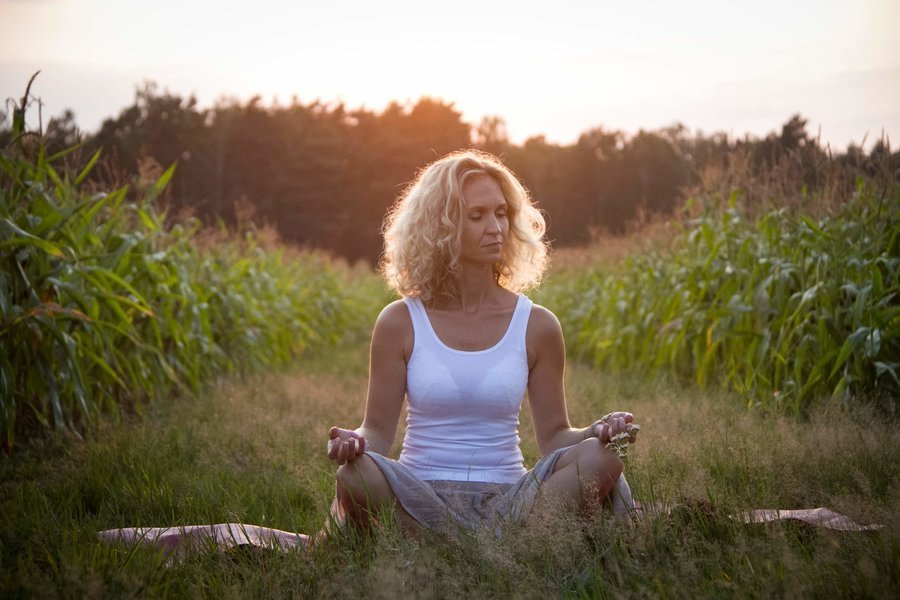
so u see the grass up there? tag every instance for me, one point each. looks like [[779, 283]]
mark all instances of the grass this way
[[252, 450]]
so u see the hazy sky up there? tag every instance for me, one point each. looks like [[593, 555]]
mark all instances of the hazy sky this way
[[554, 68]]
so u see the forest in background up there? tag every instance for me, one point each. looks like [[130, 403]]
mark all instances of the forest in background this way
[[324, 175]]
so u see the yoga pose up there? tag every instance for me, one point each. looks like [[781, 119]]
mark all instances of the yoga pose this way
[[463, 346]]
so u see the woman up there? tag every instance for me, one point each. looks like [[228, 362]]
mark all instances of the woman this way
[[463, 345]]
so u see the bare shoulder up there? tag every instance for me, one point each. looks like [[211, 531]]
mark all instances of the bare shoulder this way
[[544, 333], [394, 314], [543, 322], [394, 327]]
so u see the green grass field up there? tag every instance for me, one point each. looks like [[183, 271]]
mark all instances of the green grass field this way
[[253, 451]]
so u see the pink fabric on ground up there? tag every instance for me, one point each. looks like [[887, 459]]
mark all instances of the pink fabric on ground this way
[[229, 535], [224, 535], [820, 517]]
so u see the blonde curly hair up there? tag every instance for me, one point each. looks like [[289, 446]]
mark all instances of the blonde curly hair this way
[[422, 231]]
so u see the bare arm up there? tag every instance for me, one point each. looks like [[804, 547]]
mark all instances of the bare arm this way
[[391, 346], [546, 389]]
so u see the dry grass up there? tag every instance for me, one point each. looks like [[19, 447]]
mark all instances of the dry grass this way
[[705, 445]]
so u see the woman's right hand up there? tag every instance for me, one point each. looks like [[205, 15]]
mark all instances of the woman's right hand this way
[[345, 445]]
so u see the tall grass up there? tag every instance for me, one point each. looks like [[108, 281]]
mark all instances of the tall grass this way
[[783, 308], [102, 306]]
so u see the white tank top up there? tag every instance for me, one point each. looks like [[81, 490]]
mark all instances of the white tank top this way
[[463, 417]]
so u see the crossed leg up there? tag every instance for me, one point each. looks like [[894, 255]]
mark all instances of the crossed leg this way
[[584, 475], [361, 491], [582, 479]]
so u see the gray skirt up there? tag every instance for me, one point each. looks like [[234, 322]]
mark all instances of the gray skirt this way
[[443, 505]]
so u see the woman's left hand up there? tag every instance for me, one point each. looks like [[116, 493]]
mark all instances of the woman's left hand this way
[[345, 445], [612, 424]]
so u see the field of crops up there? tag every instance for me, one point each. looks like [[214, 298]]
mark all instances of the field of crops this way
[[103, 307], [784, 309]]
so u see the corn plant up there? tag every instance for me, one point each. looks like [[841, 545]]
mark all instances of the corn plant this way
[[101, 306], [783, 308]]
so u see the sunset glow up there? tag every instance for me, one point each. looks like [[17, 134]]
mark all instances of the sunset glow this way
[[739, 69]]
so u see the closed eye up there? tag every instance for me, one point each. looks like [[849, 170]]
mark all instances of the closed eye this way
[[500, 213]]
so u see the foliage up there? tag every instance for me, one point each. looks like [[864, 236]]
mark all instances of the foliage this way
[[102, 306], [324, 174], [783, 308]]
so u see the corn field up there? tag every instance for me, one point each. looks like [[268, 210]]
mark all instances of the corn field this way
[[101, 306], [783, 308]]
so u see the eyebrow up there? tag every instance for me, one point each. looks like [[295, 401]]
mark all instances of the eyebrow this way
[[486, 207]]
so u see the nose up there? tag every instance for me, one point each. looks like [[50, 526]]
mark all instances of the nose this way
[[494, 224]]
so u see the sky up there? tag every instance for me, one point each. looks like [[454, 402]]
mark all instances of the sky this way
[[554, 69]]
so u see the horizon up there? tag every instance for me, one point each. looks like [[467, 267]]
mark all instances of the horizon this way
[[738, 70]]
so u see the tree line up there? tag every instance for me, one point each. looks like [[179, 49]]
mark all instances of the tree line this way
[[324, 175]]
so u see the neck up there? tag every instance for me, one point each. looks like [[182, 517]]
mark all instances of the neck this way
[[477, 286]]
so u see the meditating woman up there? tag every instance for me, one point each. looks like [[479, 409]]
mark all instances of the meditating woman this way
[[463, 346]]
